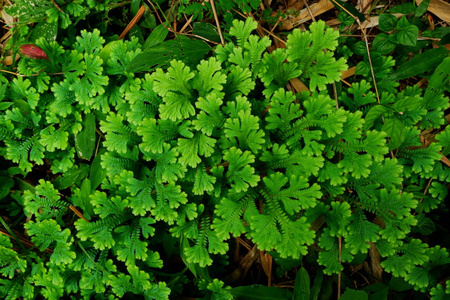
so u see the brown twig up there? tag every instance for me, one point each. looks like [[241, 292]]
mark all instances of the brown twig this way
[[367, 47], [31, 75], [57, 7], [216, 18], [133, 22], [309, 10], [78, 213]]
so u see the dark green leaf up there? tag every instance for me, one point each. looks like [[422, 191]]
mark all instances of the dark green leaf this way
[[6, 183], [373, 114], [424, 225], [345, 18], [350, 294], [405, 8], [439, 80], [157, 36], [97, 173], [206, 30], [377, 291], [396, 131], [187, 50], [347, 7], [399, 284], [359, 48], [317, 285], [24, 186], [260, 292], [134, 6], [362, 68], [149, 21], [286, 263], [16, 170], [402, 23], [302, 285], [71, 177], [382, 44], [422, 8], [445, 39], [46, 30], [387, 22], [85, 139], [86, 205], [419, 64], [408, 35]]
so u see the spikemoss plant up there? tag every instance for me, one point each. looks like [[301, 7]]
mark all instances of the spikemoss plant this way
[[200, 154]]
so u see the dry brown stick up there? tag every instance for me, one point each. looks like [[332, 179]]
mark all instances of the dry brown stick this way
[[268, 32], [309, 10], [189, 21], [31, 75], [159, 18], [133, 22], [216, 18], [57, 7], [24, 241], [186, 25], [78, 213]]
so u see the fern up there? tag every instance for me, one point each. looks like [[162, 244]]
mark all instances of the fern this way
[[185, 158]]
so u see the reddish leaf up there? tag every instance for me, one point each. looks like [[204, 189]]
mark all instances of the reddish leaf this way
[[33, 51]]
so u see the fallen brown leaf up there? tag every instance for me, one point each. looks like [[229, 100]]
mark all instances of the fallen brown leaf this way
[[440, 8], [304, 15]]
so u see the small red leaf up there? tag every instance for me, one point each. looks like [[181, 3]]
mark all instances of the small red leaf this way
[[33, 51]]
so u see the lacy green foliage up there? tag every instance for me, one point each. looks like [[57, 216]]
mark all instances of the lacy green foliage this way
[[198, 8], [59, 12], [194, 154]]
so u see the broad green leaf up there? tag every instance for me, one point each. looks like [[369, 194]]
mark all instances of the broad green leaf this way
[[187, 50], [424, 225], [86, 205], [405, 8], [157, 36], [260, 292], [396, 131], [422, 8], [97, 173], [387, 22], [382, 44], [347, 7], [350, 294], [85, 139], [399, 284], [206, 30], [408, 35], [302, 285], [317, 285], [439, 79], [46, 30], [71, 177], [6, 183], [419, 64], [445, 39], [373, 114]]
